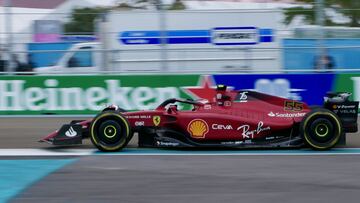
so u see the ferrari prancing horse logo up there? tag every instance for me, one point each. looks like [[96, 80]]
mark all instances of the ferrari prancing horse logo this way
[[156, 120]]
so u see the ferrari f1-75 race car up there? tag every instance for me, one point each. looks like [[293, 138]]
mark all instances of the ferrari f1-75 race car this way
[[236, 119]]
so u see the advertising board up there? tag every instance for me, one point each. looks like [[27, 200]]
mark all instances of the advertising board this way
[[87, 94], [26, 95], [348, 82], [304, 87]]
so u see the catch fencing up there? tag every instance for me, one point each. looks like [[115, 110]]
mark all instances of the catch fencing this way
[[257, 46]]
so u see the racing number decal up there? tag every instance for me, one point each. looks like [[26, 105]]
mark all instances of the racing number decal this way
[[293, 106]]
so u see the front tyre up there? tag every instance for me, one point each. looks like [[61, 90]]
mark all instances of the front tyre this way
[[110, 131], [321, 129]]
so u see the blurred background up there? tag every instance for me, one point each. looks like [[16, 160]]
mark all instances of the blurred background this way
[[73, 56]]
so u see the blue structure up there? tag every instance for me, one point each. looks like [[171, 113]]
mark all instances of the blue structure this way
[[49, 55], [50, 52], [304, 58], [145, 37]]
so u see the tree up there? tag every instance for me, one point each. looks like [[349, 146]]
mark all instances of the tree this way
[[349, 8], [177, 5], [129, 5], [82, 20], [150, 4]]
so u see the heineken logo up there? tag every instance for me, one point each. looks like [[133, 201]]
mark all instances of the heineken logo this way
[[16, 95]]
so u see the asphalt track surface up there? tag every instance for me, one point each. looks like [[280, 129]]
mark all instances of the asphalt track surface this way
[[25, 132], [249, 176]]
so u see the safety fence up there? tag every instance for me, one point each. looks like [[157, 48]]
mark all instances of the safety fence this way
[[164, 41]]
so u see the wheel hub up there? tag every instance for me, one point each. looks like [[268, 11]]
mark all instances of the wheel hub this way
[[110, 131], [321, 130]]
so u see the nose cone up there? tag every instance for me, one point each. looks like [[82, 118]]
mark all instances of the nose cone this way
[[49, 137]]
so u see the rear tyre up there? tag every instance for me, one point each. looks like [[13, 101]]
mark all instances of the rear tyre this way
[[321, 129], [110, 131]]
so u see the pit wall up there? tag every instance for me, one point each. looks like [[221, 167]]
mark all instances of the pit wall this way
[[67, 95]]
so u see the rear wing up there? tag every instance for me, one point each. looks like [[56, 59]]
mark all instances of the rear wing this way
[[340, 104]]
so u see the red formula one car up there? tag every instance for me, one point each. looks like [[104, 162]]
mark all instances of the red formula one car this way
[[237, 119]]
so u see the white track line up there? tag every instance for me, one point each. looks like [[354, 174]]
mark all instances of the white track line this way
[[157, 152], [44, 152]]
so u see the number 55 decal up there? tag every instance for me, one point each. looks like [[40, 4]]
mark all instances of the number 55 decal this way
[[293, 106]]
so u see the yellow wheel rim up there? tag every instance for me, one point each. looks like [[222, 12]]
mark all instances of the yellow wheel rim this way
[[110, 131], [127, 127]]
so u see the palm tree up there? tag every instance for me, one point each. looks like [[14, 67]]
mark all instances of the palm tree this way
[[349, 8]]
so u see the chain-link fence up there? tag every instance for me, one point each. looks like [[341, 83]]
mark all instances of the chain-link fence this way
[[118, 40]]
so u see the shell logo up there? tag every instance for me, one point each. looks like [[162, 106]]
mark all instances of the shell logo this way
[[198, 128]]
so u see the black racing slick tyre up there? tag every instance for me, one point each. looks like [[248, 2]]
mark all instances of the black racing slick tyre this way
[[321, 129], [110, 131]]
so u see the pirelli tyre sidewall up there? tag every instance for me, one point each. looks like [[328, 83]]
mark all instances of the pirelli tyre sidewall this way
[[321, 129], [110, 131]]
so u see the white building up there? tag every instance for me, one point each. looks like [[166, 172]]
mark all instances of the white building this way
[[17, 20]]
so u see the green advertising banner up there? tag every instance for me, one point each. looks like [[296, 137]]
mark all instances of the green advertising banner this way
[[34, 95], [348, 82], [87, 94]]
